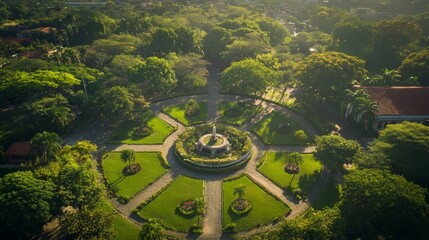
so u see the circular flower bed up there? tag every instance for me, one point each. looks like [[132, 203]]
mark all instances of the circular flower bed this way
[[292, 168], [187, 207], [131, 169], [241, 206], [142, 131]]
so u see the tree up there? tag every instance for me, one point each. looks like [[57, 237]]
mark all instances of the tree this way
[[152, 229], [300, 136], [199, 208], [335, 150], [215, 41], [78, 186], [301, 43], [416, 65], [116, 104], [46, 146], [88, 223], [353, 37], [324, 76], [128, 156], [407, 146], [386, 78], [155, 74], [25, 205], [240, 190], [248, 77], [51, 114], [277, 32], [296, 159], [376, 203], [81, 152], [191, 71]]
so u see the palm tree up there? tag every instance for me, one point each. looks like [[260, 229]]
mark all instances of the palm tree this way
[[46, 146], [366, 110], [294, 158], [349, 100], [240, 190], [386, 78], [152, 230], [199, 207], [128, 156]]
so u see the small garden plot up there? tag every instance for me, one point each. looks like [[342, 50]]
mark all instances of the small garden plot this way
[[127, 186], [278, 129], [274, 168], [133, 132], [237, 113], [165, 206], [188, 115], [258, 209]]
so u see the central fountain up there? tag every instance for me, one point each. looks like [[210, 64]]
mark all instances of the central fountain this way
[[227, 149]]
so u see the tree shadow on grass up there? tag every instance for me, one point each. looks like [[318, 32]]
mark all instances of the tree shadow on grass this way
[[306, 181]]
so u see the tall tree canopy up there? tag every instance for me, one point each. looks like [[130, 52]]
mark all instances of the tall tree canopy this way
[[416, 65], [116, 104], [407, 146], [325, 76], [247, 76], [335, 150], [377, 203], [25, 205], [156, 75]]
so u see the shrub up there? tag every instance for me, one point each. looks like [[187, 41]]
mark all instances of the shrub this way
[[196, 229], [240, 206], [230, 227], [142, 131]]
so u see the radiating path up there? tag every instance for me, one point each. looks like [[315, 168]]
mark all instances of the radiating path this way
[[212, 220]]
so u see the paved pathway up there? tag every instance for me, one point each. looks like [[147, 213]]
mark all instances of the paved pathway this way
[[212, 220]]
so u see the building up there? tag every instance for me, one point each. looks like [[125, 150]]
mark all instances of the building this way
[[399, 104], [19, 152]]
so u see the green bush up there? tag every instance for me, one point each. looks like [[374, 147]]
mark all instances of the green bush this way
[[230, 227]]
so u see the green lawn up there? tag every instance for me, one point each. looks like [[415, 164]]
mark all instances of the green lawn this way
[[124, 134], [265, 208], [164, 206], [329, 196], [123, 229], [267, 129], [178, 112], [242, 112], [274, 165], [127, 186]]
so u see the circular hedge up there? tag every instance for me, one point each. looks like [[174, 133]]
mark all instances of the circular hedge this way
[[240, 148], [131, 169], [142, 131], [187, 207], [241, 206]]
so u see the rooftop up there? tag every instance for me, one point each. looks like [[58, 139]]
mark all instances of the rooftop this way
[[19, 149], [412, 100]]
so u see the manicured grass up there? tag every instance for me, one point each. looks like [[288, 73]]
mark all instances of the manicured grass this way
[[178, 112], [124, 133], [122, 228], [127, 186], [242, 112], [267, 129], [329, 196], [164, 206], [274, 165], [265, 208]]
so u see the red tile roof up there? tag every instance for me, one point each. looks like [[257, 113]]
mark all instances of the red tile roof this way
[[19, 149], [399, 100]]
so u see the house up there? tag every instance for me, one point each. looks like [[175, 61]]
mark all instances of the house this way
[[19, 152], [398, 104]]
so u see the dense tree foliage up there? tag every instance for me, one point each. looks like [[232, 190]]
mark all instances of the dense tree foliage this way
[[116, 104], [335, 150], [416, 65], [325, 76], [152, 229], [25, 205], [407, 146], [248, 77], [378, 203], [46, 146], [156, 75]]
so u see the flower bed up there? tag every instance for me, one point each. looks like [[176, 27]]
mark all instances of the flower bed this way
[[240, 206], [187, 207]]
